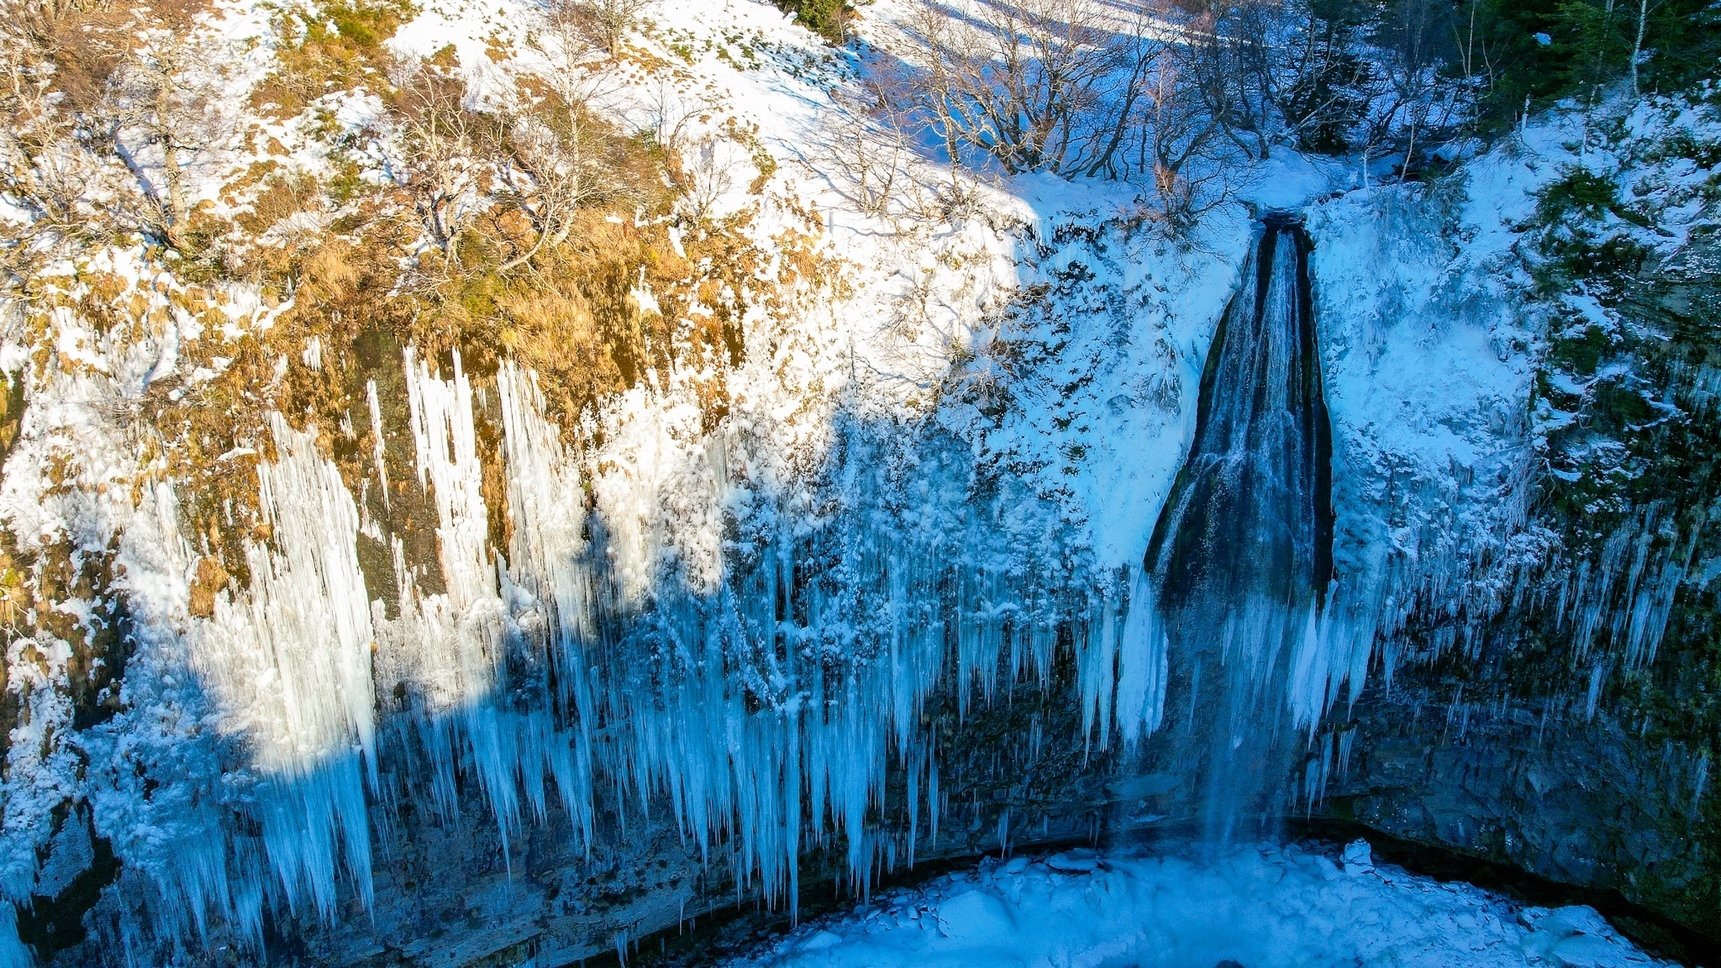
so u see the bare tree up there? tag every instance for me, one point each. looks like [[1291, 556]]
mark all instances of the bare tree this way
[[705, 174], [872, 157], [168, 101], [110, 113], [555, 154], [1033, 84], [1178, 142], [440, 138], [559, 159], [671, 115], [67, 191], [576, 74], [43, 167], [565, 39], [1415, 102], [1079, 87], [1326, 83], [607, 22], [1230, 51], [1644, 9]]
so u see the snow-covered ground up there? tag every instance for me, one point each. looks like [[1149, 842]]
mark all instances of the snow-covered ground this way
[[1255, 906]]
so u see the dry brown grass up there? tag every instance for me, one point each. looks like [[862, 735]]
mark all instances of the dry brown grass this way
[[363, 288], [338, 48]]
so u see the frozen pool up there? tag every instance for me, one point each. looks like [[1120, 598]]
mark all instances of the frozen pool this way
[[1263, 906]]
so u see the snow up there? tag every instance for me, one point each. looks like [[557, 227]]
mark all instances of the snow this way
[[1260, 906], [1289, 181], [647, 570], [1427, 376]]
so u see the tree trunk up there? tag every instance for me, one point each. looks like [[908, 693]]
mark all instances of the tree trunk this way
[[1637, 43], [174, 203], [175, 191]]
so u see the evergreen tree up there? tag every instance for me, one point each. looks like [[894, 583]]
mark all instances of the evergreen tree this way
[[827, 18]]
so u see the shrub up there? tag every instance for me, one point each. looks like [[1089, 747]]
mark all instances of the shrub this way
[[827, 18], [339, 44], [1582, 192]]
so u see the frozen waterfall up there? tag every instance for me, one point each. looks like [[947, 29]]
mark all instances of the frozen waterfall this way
[[1231, 629], [682, 627], [673, 625]]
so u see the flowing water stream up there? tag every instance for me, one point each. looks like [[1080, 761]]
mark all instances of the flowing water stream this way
[[1241, 558]]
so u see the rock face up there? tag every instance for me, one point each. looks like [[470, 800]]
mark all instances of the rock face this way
[[1513, 750], [524, 741], [1584, 803]]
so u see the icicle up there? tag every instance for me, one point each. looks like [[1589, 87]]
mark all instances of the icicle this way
[[1596, 675], [913, 806], [933, 803], [548, 562], [762, 674], [290, 665], [447, 648], [1141, 678], [446, 441], [1634, 582], [1700, 784], [379, 450], [1097, 669], [13, 954]]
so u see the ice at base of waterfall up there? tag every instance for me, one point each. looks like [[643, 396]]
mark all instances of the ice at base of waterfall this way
[[1256, 906]]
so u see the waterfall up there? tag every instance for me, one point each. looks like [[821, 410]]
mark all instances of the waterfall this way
[[671, 624], [1232, 614], [1249, 518], [686, 624]]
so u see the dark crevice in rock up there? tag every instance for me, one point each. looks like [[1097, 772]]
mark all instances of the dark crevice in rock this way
[[52, 924]]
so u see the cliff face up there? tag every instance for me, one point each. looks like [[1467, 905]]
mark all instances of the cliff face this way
[[1494, 753], [1514, 749]]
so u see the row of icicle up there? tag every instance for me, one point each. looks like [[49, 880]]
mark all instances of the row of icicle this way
[[765, 709]]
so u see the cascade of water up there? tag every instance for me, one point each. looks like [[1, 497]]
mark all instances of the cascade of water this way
[[1237, 572], [1249, 517]]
